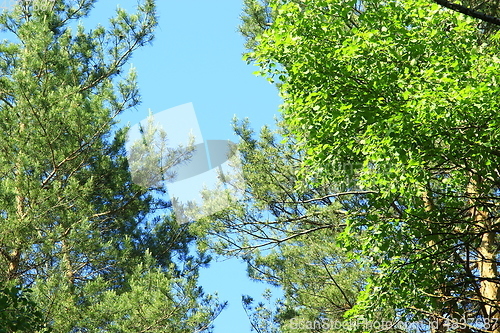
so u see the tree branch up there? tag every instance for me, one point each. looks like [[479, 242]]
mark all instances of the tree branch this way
[[469, 12], [337, 285], [334, 195]]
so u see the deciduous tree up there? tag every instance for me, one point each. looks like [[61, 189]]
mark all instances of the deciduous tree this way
[[401, 98]]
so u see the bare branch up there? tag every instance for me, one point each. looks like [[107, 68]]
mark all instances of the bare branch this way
[[334, 195]]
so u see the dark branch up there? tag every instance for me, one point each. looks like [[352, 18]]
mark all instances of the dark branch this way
[[469, 12], [334, 195]]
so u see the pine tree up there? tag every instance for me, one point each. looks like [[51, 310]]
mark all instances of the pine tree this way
[[74, 227], [285, 229]]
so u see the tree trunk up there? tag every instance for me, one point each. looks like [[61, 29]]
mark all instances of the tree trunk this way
[[486, 261], [438, 324]]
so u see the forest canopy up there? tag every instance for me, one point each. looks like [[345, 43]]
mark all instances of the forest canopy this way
[[373, 204], [392, 112]]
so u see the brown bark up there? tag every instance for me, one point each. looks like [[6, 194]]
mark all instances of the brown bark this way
[[67, 262], [486, 261], [14, 256], [437, 319]]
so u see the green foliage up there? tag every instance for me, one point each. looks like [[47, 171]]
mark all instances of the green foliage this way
[[262, 317], [399, 100], [18, 312], [286, 230], [98, 251], [155, 299], [152, 160], [256, 18]]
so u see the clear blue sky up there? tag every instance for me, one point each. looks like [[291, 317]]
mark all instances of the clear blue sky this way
[[196, 57]]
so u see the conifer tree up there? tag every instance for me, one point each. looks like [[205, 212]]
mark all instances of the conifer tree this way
[[286, 230], [74, 228]]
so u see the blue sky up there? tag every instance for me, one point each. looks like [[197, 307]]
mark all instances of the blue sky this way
[[197, 57]]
